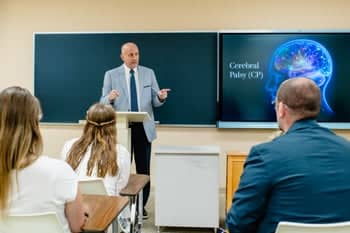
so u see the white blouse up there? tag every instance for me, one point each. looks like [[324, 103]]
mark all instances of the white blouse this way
[[113, 184], [46, 185]]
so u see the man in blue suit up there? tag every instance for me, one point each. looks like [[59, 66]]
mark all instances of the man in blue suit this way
[[300, 176], [131, 87]]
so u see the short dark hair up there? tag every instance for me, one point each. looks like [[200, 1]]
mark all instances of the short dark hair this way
[[302, 96]]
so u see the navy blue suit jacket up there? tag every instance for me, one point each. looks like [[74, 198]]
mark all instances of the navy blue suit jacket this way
[[301, 176]]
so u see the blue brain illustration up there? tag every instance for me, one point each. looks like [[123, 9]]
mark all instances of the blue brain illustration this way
[[301, 57]]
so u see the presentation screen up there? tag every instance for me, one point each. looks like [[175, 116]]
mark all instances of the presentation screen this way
[[253, 65]]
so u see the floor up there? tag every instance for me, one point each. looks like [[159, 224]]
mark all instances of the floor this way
[[149, 227]]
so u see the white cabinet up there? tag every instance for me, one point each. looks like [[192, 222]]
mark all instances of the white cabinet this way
[[187, 186]]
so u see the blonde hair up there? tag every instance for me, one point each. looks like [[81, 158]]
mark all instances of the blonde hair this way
[[99, 132], [20, 137]]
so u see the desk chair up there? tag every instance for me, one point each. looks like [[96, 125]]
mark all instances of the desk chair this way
[[134, 190], [292, 227], [92, 186], [31, 223]]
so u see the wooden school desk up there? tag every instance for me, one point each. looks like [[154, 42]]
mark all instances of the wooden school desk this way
[[134, 190], [103, 210]]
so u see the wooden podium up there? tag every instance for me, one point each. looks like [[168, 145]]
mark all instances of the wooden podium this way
[[122, 124], [123, 120]]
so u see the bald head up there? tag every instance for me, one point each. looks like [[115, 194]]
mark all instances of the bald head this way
[[127, 46], [302, 96], [130, 55]]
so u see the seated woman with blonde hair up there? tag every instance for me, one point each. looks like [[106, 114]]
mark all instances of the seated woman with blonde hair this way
[[96, 153], [30, 183]]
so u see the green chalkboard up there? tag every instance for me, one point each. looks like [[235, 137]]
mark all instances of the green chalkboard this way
[[69, 70]]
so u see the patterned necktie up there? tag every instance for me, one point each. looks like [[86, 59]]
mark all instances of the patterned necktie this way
[[133, 92]]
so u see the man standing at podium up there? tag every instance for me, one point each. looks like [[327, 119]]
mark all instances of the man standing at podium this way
[[131, 87]]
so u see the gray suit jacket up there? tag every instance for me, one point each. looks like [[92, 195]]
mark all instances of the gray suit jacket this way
[[148, 94]]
